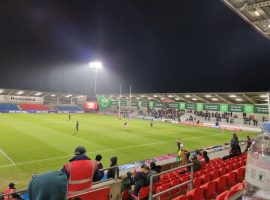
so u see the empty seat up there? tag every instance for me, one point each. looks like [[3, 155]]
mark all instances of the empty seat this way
[[222, 171], [240, 175], [197, 182], [215, 174], [144, 192], [221, 184], [182, 197], [206, 178], [196, 194], [222, 195], [231, 178], [210, 190]]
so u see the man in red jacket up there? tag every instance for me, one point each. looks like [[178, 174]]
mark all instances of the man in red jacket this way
[[11, 189], [81, 172]]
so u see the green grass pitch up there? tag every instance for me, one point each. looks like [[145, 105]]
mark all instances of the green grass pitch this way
[[36, 143]]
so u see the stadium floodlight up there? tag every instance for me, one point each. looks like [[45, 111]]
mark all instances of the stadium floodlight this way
[[208, 96], [95, 65], [214, 99], [149, 98], [257, 13], [177, 99], [79, 96], [238, 99], [69, 96], [194, 99], [38, 93], [142, 96], [138, 98], [1, 91], [187, 96], [170, 96], [155, 96], [20, 92], [264, 96], [232, 96], [52, 95]]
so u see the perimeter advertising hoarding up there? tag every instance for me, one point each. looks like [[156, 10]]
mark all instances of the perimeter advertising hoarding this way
[[20, 99]]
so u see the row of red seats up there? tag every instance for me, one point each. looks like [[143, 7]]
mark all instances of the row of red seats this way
[[36, 107]]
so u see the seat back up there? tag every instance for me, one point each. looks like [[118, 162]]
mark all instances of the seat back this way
[[196, 194], [221, 184], [231, 178], [144, 192]]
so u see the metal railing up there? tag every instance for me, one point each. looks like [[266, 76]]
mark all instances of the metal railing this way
[[152, 196], [116, 176]]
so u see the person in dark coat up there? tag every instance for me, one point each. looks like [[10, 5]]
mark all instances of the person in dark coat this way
[[154, 167], [111, 172], [235, 144], [140, 181], [249, 142], [100, 166], [205, 156]]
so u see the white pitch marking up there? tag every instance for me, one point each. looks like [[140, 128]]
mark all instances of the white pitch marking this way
[[10, 160]]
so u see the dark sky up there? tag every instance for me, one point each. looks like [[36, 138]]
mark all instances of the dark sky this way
[[155, 45]]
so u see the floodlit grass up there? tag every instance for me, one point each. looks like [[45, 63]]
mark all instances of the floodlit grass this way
[[36, 143]]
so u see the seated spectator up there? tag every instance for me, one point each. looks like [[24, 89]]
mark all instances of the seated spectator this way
[[83, 170], [206, 157], [125, 184], [100, 166], [140, 181], [111, 172], [200, 156], [154, 167], [48, 186], [148, 173], [11, 188], [196, 163]]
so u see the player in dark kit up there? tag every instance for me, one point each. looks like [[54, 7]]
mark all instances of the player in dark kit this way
[[77, 125], [151, 123], [69, 116]]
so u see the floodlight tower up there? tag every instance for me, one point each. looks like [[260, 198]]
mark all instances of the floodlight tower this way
[[95, 65]]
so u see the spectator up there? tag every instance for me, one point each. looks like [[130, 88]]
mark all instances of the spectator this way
[[206, 157], [111, 172], [125, 184], [148, 173], [48, 186], [196, 163], [154, 167], [249, 142], [83, 170], [100, 166], [200, 156], [236, 149], [184, 156], [140, 181], [11, 189]]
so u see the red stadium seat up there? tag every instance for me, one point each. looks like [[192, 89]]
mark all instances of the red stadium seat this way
[[196, 194], [197, 182], [222, 171], [162, 188], [182, 197], [221, 184], [125, 195], [215, 174], [222, 195], [144, 192], [206, 178], [101, 194], [231, 178], [210, 190], [229, 168], [184, 179], [176, 191], [240, 176]]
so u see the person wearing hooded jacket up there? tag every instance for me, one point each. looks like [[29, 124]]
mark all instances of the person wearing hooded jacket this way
[[48, 186], [154, 167], [81, 172], [111, 172]]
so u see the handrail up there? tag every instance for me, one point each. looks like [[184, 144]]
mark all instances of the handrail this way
[[24, 191], [151, 196]]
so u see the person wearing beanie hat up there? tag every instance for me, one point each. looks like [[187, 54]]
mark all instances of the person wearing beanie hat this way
[[48, 186], [81, 172], [100, 166]]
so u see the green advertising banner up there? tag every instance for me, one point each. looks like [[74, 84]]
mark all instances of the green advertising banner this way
[[199, 106], [114, 103], [224, 108], [191, 106], [248, 108], [261, 109], [139, 104], [158, 105], [173, 105], [134, 103], [151, 104], [236, 108], [182, 105], [211, 107], [103, 102], [145, 104]]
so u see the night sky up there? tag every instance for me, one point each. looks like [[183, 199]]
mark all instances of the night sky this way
[[154, 45]]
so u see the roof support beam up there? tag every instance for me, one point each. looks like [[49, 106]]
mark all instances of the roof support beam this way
[[183, 98], [223, 99], [249, 99], [254, 6], [200, 98]]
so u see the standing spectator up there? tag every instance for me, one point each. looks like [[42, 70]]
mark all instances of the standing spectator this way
[[179, 144], [100, 166], [48, 186], [11, 189], [196, 163], [206, 157], [184, 156], [111, 172], [154, 167], [235, 147], [249, 142], [81, 172]]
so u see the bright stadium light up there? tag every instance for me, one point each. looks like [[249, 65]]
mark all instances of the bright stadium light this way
[[170, 96], [187, 96], [208, 96], [69, 96], [38, 93], [155, 96], [264, 95], [149, 98], [257, 13], [214, 99], [142, 96], [194, 99], [1, 91], [52, 95], [238, 99], [177, 99], [138, 98], [20, 92], [95, 65], [232, 96]]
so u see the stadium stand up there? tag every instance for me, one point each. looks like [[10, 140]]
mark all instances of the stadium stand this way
[[34, 107], [5, 107], [72, 108]]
